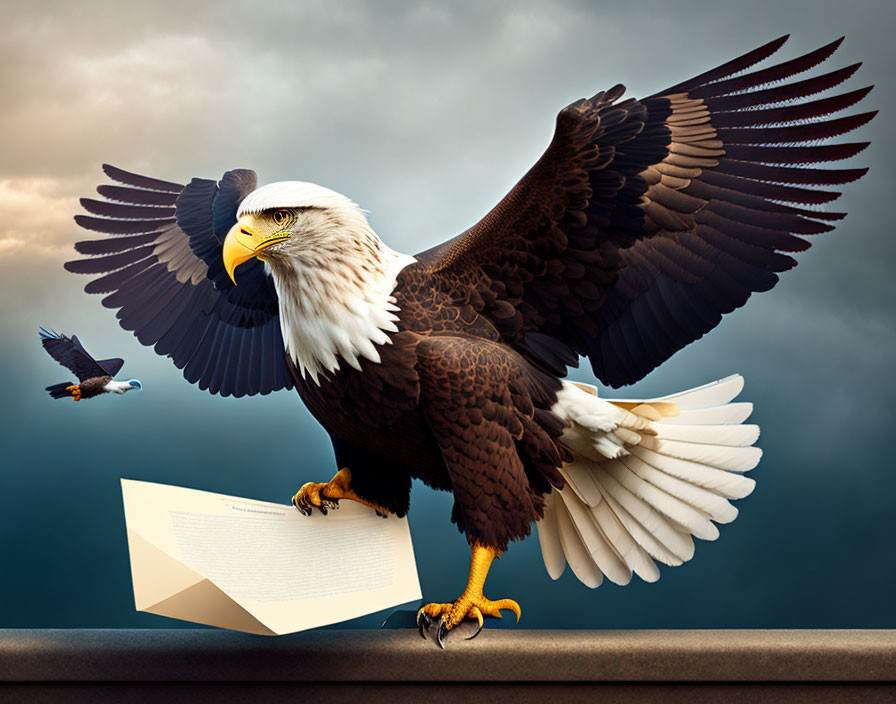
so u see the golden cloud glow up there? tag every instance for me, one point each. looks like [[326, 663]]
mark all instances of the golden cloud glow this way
[[36, 216]]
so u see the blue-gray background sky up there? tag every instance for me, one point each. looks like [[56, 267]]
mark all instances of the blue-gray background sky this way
[[425, 114]]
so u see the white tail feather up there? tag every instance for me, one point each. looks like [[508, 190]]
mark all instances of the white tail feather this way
[[603, 556], [671, 541], [731, 413], [632, 554], [581, 475], [679, 511], [647, 476], [549, 538], [727, 484], [708, 505], [715, 393], [736, 459], [643, 537], [726, 435], [576, 553]]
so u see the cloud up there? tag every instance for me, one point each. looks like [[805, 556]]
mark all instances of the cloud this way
[[424, 113], [36, 217]]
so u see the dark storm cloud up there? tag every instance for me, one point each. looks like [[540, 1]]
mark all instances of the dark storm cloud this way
[[425, 114]]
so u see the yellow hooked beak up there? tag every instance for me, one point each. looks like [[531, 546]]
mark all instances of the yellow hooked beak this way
[[241, 244]]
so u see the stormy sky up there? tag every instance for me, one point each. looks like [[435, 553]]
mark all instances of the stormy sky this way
[[425, 114]]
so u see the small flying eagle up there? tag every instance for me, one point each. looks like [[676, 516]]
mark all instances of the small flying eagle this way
[[640, 226], [94, 376]]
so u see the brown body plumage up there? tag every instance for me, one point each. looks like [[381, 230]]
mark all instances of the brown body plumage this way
[[448, 398], [93, 386]]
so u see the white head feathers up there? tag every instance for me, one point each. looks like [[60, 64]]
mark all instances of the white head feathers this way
[[293, 194], [334, 278]]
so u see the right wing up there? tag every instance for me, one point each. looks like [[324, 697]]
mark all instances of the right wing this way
[[163, 271]]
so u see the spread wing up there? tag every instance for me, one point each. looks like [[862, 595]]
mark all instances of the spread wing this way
[[70, 353], [161, 267], [646, 220], [112, 366]]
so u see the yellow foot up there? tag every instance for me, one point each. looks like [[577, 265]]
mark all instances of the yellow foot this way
[[325, 497], [467, 606], [75, 392], [313, 495]]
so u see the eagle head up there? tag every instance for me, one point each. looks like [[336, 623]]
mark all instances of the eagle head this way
[[296, 222], [333, 275]]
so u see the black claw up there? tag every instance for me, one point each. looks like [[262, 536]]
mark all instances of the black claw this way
[[478, 630], [332, 505], [301, 507], [323, 508], [381, 515], [423, 622], [443, 629]]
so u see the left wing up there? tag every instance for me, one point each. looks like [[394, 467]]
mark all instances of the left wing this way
[[70, 353], [161, 266], [646, 220]]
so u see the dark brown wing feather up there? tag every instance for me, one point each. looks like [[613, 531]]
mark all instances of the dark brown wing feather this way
[[646, 220], [112, 365], [70, 353]]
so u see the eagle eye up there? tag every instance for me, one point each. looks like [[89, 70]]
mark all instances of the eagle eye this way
[[280, 217]]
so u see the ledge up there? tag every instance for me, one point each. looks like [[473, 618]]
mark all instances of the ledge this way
[[848, 663]]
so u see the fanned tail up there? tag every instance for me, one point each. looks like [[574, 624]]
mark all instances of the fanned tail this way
[[647, 476], [63, 390]]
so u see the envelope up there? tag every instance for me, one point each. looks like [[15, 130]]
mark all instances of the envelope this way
[[262, 567]]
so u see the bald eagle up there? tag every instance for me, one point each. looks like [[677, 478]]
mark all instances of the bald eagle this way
[[640, 226], [94, 376]]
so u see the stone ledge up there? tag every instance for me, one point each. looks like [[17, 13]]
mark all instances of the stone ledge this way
[[496, 656]]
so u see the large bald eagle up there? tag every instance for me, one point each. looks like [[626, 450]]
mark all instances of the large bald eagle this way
[[641, 225]]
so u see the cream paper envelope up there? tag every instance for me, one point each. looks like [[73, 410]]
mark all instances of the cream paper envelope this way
[[260, 567]]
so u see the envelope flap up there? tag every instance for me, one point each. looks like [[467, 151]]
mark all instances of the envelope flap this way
[[205, 603], [156, 574]]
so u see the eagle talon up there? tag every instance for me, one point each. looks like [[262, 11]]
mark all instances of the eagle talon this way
[[466, 607], [443, 629], [301, 505], [424, 621], [310, 497], [326, 497], [477, 614], [472, 603], [478, 631]]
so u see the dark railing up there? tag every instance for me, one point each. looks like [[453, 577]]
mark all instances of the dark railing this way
[[398, 666]]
